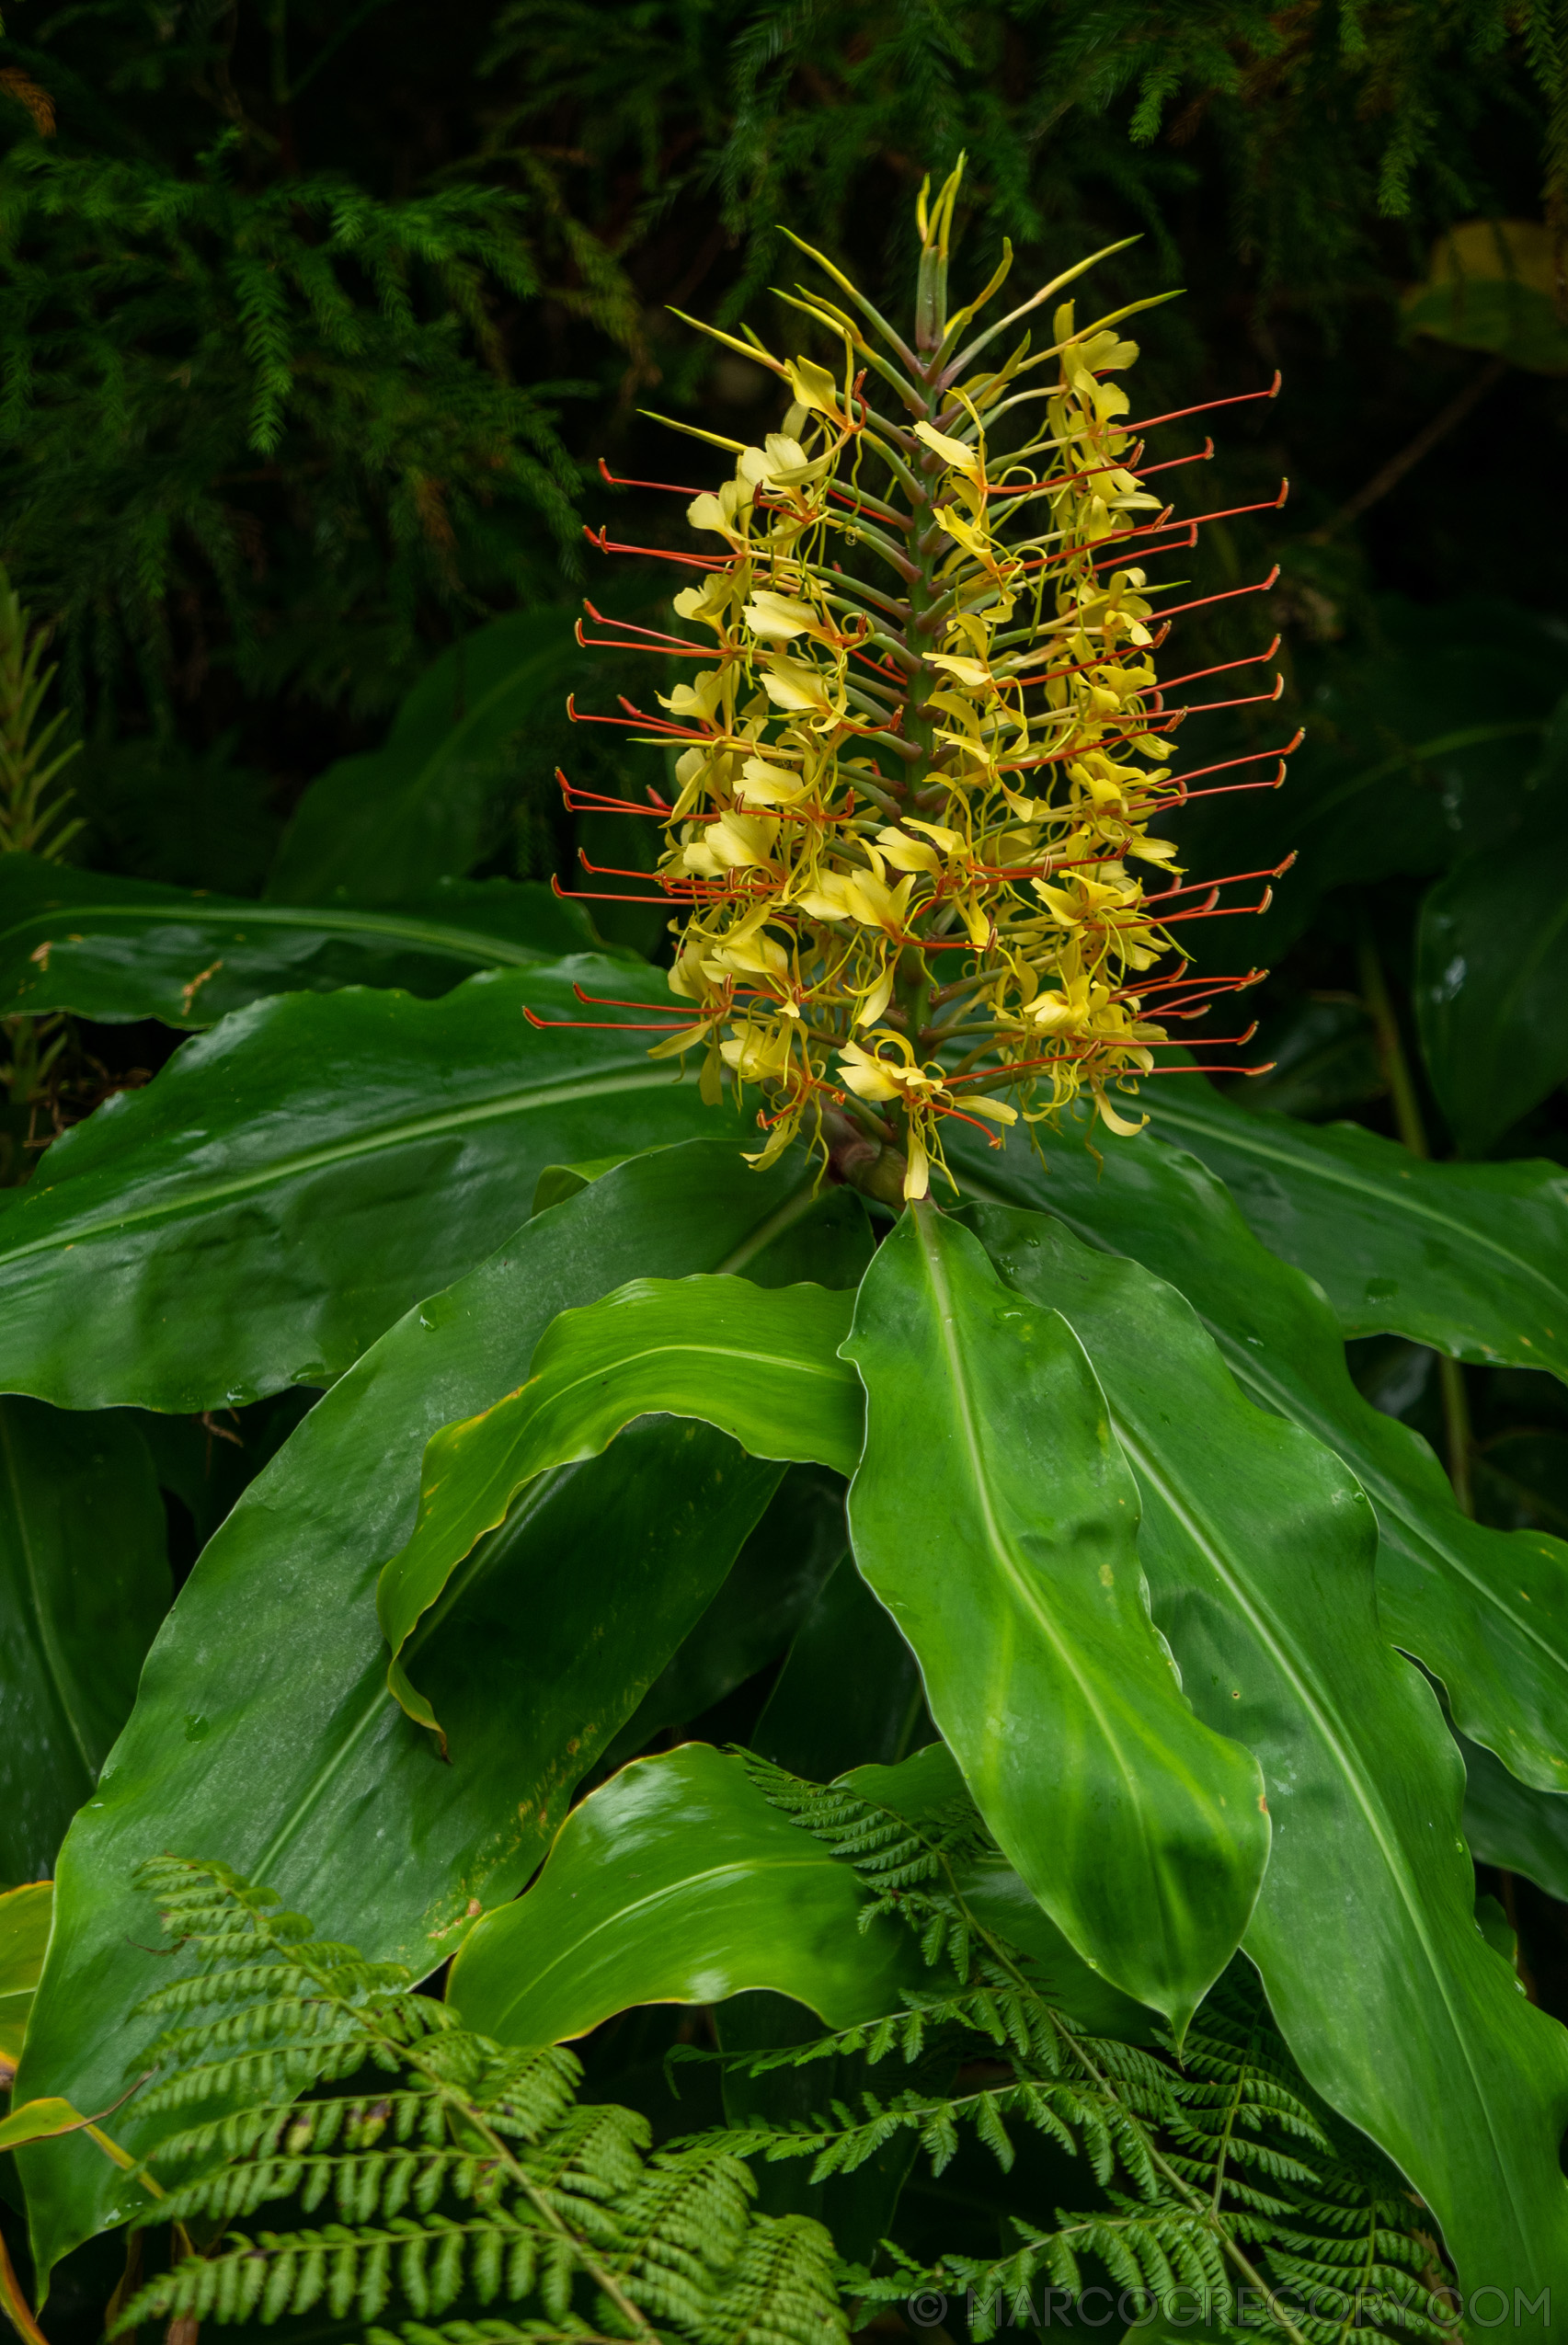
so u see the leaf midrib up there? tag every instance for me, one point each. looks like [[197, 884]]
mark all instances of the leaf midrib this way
[[1284, 1400], [1027, 1596], [1320, 1711], [479, 945], [196, 1195], [1339, 1175]]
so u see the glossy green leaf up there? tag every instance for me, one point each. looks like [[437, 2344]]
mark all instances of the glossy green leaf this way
[[776, 1579], [116, 949], [677, 1882], [1486, 1611], [293, 1181], [759, 1365], [1510, 1824], [1492, 986], [850, 1691], [25, 1915], [263, 1726], [381, 827], [995, 1517], [83, 1584], [1259, 1548], [1469, 1258]]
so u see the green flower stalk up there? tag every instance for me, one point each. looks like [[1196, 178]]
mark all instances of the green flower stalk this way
[[919, 842]]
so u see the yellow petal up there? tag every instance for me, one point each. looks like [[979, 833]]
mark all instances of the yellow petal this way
[[968, 671], [876, 1000], [813, 387], [955, 453], [1119, 1124], [906, 854], [778, 615]]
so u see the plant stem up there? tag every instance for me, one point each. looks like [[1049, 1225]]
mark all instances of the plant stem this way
[[1413, 1132]]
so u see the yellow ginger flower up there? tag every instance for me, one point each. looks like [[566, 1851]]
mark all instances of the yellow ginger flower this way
[[918, 841]]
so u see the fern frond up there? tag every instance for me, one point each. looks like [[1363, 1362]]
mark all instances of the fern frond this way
[[1221, 2168], [475, 2173]]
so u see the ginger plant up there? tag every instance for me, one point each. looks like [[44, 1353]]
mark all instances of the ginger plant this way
[[920, 842]]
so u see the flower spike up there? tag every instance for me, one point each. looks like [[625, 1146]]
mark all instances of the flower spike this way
[[924, 764]]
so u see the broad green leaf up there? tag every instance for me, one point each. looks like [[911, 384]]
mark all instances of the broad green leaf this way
[[994, 1515], [1259, 1548], [1510, 1823], [115, 949], [293, 1181], [381, 827], [850, 1690], [677, 1882], [263, 1727], [25, 1915], [761, 1366], [1492, 986], [1495, 285], [1470, 1258], [1486, 1611], [83, 1584], [772, 1589]]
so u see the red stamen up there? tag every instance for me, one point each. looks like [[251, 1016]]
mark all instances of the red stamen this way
[[1145, 472], [1207, 406], [593, 1025], [1249, 700], [657, 635], [1233, 594], [1253, 660], [1215, 1041], [672, 487], [610, 895], [993, 1139], [613, 871], [1254, 756], [1220, 912], [607, 545], [610, 1001], [1230, 880], [671, 646]]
